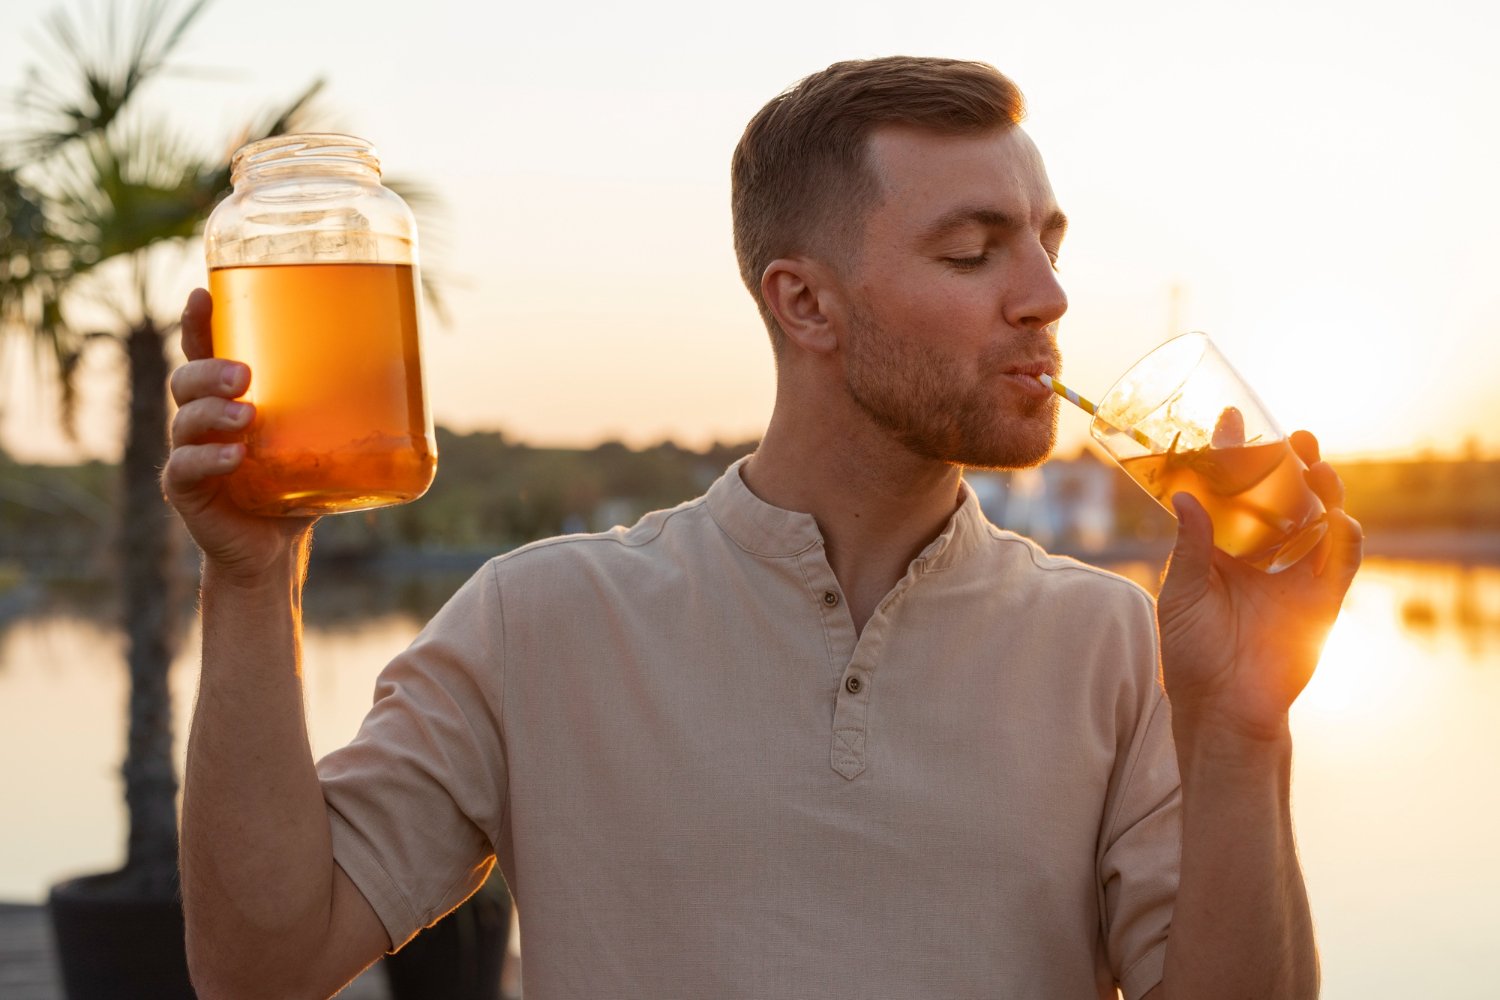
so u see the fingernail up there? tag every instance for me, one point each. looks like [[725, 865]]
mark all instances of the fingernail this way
[[233, 377], [237, 413], [228, 453]]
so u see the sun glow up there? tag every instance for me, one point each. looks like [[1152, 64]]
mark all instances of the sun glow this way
[[592, 285], [1355, 675]]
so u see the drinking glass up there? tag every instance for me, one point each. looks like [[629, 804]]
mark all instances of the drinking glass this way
[[1182, 420]]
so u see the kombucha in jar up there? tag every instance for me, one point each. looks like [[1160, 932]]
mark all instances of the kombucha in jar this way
[[313, 272]]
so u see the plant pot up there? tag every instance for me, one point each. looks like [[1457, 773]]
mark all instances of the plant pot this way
[[113, 944], [459, 957]]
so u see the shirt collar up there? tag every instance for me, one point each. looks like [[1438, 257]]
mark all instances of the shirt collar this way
[[961, 536], [764, 530], [755, 525]]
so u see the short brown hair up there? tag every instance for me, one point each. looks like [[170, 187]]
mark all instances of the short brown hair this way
[[800, 179]]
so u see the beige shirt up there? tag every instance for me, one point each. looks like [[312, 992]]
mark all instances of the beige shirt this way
[[700, 783]]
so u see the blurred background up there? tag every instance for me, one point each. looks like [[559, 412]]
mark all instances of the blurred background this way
[[1311, 183]]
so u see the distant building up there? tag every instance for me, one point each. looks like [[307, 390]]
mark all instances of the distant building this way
[[1066, 504], [617, 512]]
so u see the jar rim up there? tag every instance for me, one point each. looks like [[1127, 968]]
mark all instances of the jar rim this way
[[304, 147]]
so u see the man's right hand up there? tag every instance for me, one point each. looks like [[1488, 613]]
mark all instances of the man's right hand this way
[[208, 444]]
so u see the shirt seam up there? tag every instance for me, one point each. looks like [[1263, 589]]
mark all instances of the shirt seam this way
[[1053, 564], [369, 863], [811, 544], [1158, 698], [1152, 953], [621, 539], [1135, 763], [500, 709], [431, 916]]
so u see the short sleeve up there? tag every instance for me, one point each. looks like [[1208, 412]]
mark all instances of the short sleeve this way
[[1140, 853], [416, 801]]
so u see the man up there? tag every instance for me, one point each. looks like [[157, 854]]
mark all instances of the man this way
[[824, 731]]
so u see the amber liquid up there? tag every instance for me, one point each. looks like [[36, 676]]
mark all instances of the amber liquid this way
[[336, 378], [1262, 508]]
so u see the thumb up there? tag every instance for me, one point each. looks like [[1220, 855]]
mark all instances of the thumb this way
[[1193, 555]]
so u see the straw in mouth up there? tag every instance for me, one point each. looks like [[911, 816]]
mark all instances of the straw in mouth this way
[[1088, 407], [1068, 394]]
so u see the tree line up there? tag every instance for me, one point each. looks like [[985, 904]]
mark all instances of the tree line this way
[[493, 493]]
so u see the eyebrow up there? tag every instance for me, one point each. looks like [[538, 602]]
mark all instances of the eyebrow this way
[[990, 217]]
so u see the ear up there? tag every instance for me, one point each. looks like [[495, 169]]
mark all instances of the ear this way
[[801, 295]]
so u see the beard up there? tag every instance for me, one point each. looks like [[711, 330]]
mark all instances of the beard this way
[[940, 410]]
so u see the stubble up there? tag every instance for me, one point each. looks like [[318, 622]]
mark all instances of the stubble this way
[[939, 409]]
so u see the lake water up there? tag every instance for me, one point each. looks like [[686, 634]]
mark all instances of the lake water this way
[[1396, 787]]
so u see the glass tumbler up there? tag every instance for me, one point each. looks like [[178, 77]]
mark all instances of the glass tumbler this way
[[1182, 420]]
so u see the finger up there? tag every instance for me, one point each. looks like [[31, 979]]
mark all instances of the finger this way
[[1306, 447], [1324, 482], [1192, 556], [1346, 548], [1229, 430], [199, 421], [197, 338], [189, 467], [209, 377]]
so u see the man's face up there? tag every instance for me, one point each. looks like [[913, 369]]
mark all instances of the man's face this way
[[954, 298]]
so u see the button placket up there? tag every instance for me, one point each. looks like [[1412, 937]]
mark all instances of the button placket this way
[[847, 754], [838, 626], [851, 707], [851, 656]]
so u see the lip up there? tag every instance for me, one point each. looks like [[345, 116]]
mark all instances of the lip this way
[[1025, 377]]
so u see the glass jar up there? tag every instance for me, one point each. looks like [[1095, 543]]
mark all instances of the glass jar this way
[[312, 265]]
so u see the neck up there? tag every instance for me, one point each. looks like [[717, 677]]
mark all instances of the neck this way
[[877, 504]]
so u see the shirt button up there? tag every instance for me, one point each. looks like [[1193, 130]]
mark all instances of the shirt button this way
[[852, 684], [830, 598]]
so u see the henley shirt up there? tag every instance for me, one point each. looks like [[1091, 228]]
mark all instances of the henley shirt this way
[[700, 782]]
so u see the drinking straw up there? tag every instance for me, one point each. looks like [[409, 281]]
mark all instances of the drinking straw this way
[[1088, 407]]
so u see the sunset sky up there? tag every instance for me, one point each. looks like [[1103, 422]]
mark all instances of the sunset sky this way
[[1313, 183]]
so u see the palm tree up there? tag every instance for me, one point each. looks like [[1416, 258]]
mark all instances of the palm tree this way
[[94, 194]]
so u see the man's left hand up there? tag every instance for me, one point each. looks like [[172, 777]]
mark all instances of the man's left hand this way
[[1238, 644]]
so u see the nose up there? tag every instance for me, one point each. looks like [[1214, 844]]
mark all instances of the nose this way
[[1037, 299]]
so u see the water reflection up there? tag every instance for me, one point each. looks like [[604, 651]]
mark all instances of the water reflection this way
[[1462, 600], [345, 596], [338, 596], [1395, 741], [89, 604], [1428, 602]]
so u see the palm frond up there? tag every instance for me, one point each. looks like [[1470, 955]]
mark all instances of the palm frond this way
[[92, 78], [29, 250], [94, 187], [427, 205], [126, 190], [36, 269], [297, 115]]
